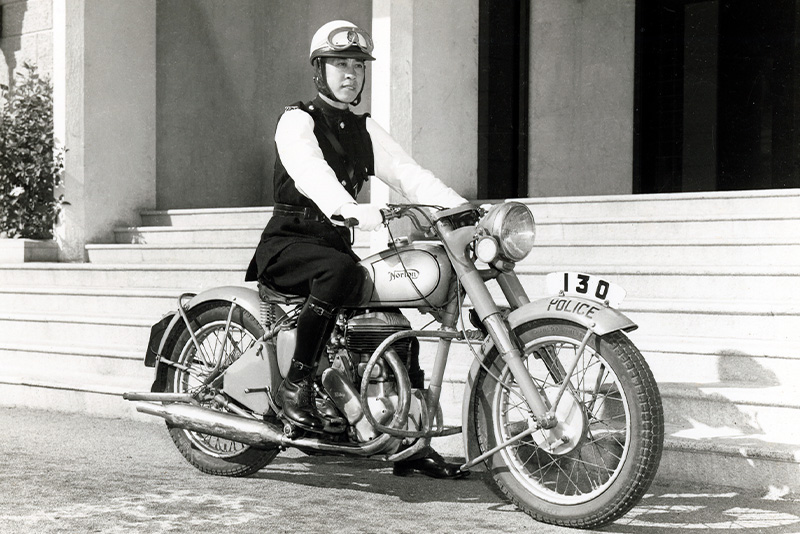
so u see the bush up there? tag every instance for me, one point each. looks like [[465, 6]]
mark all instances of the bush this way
[[31, 166]]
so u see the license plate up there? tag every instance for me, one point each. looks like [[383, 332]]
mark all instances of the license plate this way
[[587, 286]]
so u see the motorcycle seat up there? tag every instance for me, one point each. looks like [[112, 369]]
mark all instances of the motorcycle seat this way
[[269, 294]]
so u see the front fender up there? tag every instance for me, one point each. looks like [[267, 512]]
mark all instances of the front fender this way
[[245, 297], [587, 313]]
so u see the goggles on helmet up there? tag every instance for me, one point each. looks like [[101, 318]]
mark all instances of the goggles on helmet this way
[[343, 38]]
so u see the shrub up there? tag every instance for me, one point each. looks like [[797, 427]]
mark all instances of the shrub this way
[[31, 166]]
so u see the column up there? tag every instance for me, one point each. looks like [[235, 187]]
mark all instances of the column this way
[[104, 76]]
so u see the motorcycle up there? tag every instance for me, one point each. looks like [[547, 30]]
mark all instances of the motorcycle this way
[[559, 406]]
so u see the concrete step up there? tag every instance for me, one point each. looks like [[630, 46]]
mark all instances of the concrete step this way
[[73, 330], [645, 282], [105, 364], [736, 320], [123, 275], [743, 252], [159, 235], [633, 229], [245, 235], [692, 354], [258, 216], [712, 361], [739, 319], [98, 301], [84, 394], [676, 204], [682, 204], [600, 229], [172, 254], [752, 252], [726, 282], [693, 327], [712, 369], [734, 411], [738, 463]]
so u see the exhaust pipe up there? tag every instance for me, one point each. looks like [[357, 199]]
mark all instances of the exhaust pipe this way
[[159, 397], [253, 432], [223, 425]]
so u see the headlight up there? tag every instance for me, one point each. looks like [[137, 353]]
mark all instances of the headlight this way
[[512, 225]]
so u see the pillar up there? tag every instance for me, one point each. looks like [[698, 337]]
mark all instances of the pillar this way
[[104, 74], [425, 86]]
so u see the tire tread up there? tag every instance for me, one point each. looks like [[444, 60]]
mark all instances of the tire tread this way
[[652, 433]]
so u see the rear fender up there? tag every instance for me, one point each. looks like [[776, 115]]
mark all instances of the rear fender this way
[[584, 312], [241, 296]]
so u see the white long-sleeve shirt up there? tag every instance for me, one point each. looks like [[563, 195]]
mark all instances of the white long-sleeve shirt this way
[[313, 177]]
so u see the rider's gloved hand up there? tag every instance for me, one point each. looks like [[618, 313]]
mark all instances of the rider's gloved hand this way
[[369, 216]]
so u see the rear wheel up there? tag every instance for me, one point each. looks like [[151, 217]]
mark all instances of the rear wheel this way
[[212, 454], [601, 458]]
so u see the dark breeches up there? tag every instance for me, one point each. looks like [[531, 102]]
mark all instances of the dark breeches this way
[[308, 269]]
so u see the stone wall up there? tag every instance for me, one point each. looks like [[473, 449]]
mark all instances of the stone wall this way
[[581, 100], [26, 34], [225, 72]]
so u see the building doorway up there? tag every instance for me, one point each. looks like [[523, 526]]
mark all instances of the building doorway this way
[[717, 96], [503, 99]]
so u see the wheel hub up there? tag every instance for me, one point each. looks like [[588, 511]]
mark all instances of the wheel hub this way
[[570, 428]]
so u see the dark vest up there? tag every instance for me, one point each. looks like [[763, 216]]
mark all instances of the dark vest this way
[[352, 161]]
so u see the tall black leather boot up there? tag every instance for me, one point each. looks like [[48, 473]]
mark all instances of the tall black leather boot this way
[[415, 373], [296, 393]]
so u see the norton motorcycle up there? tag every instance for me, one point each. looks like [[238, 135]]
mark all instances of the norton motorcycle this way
[[559, 406]]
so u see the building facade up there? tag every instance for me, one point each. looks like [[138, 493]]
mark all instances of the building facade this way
[[173, 104]]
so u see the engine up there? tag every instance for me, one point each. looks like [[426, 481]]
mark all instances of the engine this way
[[364, 333], [360, 338]]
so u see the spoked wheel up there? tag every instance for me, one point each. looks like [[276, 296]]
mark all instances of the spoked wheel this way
[[599, 460], [217, 351]]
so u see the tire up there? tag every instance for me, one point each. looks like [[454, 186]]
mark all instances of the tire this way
[[613, 429], [211, 454]]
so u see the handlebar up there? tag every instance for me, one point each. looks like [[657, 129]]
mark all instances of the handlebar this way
[[351, 222], [417, 213]]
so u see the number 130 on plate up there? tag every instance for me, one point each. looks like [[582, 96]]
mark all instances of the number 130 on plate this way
[[587, 286]]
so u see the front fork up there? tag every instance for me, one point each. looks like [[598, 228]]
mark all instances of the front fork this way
[[512, 356], [499, 331]]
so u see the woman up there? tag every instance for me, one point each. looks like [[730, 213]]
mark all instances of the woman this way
[[325, 154]]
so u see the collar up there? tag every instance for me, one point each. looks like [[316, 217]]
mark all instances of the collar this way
[[329, 110]]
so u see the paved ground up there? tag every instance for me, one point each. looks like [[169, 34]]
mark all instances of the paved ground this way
[[77, 474]]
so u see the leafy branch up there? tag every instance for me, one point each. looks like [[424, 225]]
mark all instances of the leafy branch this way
[[31, 165]]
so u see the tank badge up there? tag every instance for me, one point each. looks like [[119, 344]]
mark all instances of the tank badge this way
[[411, 274]]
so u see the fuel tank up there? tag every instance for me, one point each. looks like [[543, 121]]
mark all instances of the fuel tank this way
[[414, 275]]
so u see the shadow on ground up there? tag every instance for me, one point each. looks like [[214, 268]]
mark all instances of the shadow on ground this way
[[373, 476], [673, 510]]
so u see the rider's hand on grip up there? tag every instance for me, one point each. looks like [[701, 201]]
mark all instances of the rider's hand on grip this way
[[369, 216]]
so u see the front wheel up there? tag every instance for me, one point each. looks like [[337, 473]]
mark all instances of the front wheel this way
[[213, 352], [601, 458]]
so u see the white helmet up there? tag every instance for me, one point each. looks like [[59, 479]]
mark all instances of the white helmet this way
[[340, 38]]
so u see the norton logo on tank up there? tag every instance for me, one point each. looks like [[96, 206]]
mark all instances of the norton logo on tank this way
[[412, 274]]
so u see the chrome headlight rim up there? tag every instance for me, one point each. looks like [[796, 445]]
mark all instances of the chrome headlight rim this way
[[494, 224]]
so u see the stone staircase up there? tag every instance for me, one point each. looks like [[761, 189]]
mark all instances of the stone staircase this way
[[713, 281]]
